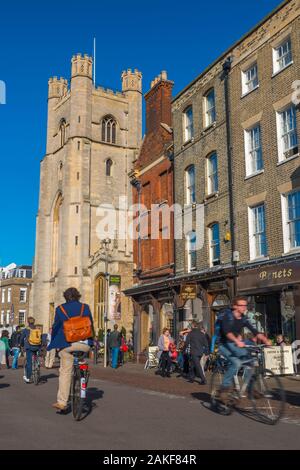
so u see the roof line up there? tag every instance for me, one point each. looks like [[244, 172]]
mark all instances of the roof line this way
[[281, 5]]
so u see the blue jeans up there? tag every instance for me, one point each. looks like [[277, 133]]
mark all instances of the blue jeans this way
[[16, 353], [29, 354], [114, 357], [235, 357]]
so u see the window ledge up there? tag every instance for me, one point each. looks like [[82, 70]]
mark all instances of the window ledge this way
[[211, 196], [288, 159], [210, 127], [274, 74], [260, 258], [292, 251], [260, 172], [187, 142], [249, 92]]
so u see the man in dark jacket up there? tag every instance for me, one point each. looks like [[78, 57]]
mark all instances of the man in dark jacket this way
[[197, 345], [15, 342], [73, 308], [114, 343]]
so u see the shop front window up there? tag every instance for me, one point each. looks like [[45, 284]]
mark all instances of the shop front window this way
[[273, 314]]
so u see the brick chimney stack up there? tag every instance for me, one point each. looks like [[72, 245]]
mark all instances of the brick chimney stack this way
[[158, 103]]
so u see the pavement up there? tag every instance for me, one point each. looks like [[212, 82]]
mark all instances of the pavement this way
[[132, 409]]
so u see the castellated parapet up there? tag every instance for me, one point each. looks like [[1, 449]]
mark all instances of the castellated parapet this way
[[110, 92], [57, 87], [131, 81], [82, 66]]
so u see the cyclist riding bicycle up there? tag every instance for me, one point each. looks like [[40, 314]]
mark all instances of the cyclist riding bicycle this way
[[232, 345], [64, 314], [31, 341]]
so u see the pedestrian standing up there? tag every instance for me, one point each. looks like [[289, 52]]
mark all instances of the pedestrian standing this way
[[114, 342], [2, 353], [205, 356], [164, 355], [15, 343], [197, 344], [5, 340], [108, 350], [50, 355]]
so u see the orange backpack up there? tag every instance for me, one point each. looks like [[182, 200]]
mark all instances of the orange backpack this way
[[77, 328]]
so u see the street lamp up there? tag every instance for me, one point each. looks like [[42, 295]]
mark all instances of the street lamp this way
[[105, 245]]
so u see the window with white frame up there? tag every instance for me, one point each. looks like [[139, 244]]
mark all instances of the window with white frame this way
[[257, 232], [253, 150], [190, 185], [22, 317], [214, 244], [9, 294], [7, 317], [212, 174], [210, 108], [191, 251], [188, 124], [3, 296], [249, 79], [287, 133], [23, 295], [2, 317], [282, 55], [291, 220]]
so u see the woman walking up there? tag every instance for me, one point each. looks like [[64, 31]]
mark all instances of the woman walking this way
[[5, 340]]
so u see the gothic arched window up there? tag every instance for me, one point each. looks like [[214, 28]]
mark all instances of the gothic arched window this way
[[109, 130], [108, 166], [62, 131]]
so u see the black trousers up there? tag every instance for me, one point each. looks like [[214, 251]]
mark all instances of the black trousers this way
[[7, 354], [165, 362], [195, 365]]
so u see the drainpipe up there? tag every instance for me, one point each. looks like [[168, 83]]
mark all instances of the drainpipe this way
[[137, 185], [225, 78]]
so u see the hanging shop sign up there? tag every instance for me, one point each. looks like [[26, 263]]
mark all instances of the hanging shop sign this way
[[188, 291]]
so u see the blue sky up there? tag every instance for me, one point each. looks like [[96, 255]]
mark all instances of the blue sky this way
[[37, 41]]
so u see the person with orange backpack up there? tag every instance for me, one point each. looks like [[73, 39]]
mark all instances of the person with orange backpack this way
[[72, 330], [31, 341]]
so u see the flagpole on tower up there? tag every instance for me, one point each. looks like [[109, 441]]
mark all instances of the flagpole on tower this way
[[94, 61]]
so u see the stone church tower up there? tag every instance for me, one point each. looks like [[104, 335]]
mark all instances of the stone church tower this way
[[93, 137]]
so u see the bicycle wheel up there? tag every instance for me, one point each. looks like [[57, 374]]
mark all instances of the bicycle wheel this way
[[35, 371], [268, 397], [76, 400], [215, 384]]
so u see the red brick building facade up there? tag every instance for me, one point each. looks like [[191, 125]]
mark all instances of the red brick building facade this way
[[152, 182]]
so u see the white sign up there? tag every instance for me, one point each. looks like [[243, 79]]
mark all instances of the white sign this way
[[279, 360]]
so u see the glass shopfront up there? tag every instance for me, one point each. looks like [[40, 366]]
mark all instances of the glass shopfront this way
[[271, 296]]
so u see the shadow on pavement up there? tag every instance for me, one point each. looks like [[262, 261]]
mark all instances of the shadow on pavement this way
[[4, 385], [45, 378], [93, 394], [292, 398]]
